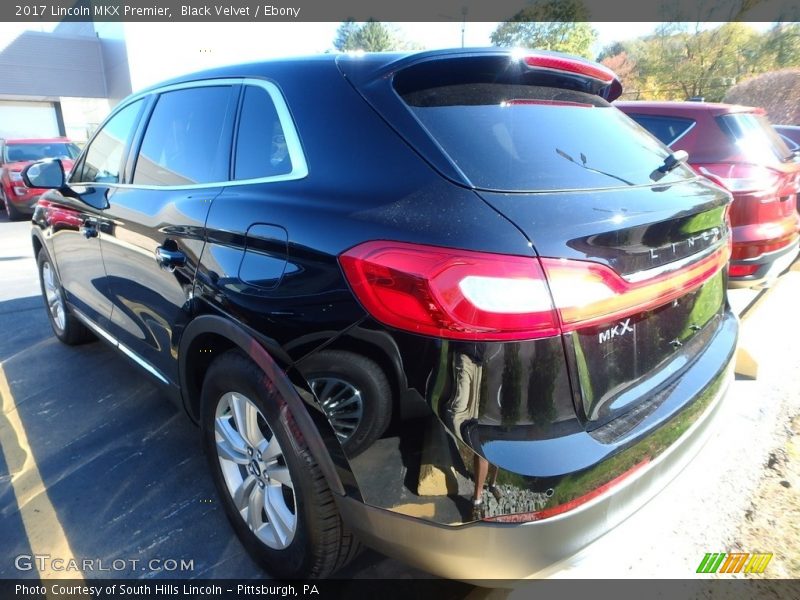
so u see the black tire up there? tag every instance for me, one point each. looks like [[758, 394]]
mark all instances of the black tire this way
[[367, 377], [12, 211], [73, 332], [321, 543]]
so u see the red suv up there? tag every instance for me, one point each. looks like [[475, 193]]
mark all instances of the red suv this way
[[19, 199], [737, 148]]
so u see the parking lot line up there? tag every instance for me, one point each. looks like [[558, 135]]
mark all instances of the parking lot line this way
[[45, 534]]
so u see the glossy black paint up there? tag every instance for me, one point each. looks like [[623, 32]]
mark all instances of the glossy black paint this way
[[256, 268]]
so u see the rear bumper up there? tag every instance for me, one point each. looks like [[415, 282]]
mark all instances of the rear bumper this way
[[510, 551], [767, 267]]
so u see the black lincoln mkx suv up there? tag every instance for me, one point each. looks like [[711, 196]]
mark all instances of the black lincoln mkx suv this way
[[451, 305]]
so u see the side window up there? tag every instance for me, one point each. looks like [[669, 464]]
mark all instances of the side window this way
[[666, 129], [187, 139], [104, 156], [261, 149]]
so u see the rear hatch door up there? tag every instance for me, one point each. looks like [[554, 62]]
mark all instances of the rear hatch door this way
[[589, 189]]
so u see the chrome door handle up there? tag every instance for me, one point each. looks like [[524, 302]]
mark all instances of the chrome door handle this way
[[169, 259]]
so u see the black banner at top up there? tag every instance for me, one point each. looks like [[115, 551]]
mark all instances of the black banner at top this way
[[397, 10]]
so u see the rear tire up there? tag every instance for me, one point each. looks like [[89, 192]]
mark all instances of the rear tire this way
[[329, 372], [295, 530], [66, 326]]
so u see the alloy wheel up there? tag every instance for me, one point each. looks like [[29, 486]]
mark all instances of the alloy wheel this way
[[342, 403], [255, 471], [55, 303]]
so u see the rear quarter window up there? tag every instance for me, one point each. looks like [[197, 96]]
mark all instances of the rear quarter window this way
[[261, 146]]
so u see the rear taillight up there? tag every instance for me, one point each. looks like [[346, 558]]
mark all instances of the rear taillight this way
[[742, 270], [448, 293], [737, 177], [588, 293], [460, 294]]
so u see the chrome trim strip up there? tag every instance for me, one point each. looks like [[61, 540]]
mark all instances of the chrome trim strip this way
[[94, 327], [141, 362], [295, 148], [671, 266], [117, 344], [687, 130]]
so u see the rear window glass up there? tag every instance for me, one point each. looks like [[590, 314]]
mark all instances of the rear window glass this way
[[753, 135], [517, 137], [666, 129]]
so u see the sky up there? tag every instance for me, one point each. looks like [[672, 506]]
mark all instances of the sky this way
[[159, 51], [195, 46]]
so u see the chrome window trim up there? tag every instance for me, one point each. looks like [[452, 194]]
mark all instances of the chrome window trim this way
[[685, 131], [295, 148]]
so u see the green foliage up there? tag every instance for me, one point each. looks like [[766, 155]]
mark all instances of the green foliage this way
[[371, 36], [782, 45], [682, 60], [549, 25]]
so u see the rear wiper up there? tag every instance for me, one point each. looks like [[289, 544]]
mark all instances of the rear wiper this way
[[583, 165], [678, 157]]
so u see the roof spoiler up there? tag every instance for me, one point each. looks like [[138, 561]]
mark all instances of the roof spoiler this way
[[594, 77]]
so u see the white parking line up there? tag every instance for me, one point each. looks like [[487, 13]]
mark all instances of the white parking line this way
[[45, 534]]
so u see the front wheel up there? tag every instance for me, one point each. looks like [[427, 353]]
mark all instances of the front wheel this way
[[272, 489], [66, 326], [13, 213]]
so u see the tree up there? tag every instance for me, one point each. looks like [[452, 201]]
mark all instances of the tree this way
[[610, 50], [625, 68], [703, 62], [370, 36], [682, 60], [783, 44], [559, 25]]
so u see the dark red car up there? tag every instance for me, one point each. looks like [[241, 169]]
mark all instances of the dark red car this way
[[18, 199], [737, 148]]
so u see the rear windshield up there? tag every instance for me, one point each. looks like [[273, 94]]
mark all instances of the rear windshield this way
[[754, 135], [39, 151], [517, 137]]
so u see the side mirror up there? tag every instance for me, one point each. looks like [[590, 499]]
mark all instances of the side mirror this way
[[47, 174]]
